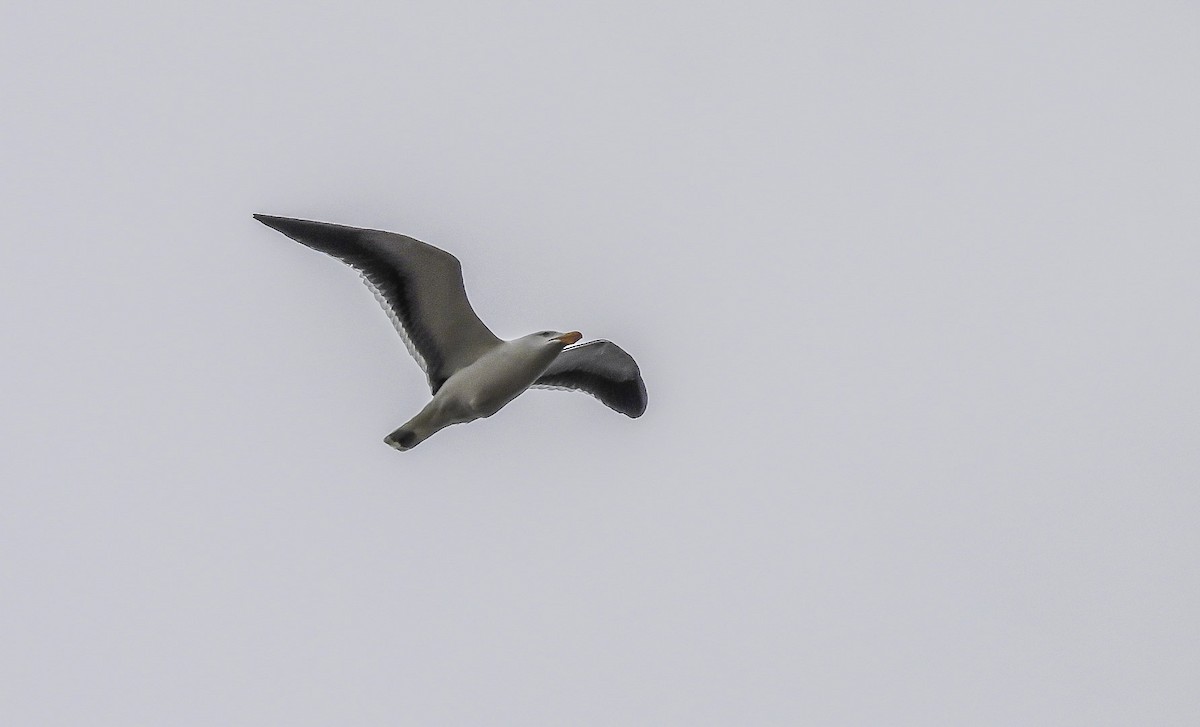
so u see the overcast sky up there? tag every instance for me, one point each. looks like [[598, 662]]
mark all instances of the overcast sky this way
[[913, 287]]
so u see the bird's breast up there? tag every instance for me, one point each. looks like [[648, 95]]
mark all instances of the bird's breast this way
[[497, 378]]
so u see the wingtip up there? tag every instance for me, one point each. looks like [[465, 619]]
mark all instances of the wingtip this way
[[314, 234], [297, 228], [642, 400]]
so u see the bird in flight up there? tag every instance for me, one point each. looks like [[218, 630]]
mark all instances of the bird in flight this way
[[471, 372]]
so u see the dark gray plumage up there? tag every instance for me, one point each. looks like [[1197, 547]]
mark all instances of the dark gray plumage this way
[[602, 369]]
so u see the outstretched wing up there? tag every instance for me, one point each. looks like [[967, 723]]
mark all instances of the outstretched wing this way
[[420, 287], [602, 369]]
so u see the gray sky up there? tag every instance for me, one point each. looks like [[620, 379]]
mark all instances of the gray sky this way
[[913, 287]]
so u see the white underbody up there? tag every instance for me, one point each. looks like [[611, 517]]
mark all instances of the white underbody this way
[[483, 388]]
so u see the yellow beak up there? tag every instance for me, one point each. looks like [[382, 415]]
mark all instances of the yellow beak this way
[[569, 338]]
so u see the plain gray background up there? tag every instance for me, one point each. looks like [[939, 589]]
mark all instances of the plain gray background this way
[[913, 287]]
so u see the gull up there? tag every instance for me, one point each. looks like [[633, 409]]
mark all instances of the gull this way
[[472, 373]]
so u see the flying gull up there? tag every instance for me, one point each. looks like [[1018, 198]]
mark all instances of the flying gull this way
[[471, 372]]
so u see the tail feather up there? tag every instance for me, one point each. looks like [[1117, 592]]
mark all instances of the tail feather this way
[[403, 439]]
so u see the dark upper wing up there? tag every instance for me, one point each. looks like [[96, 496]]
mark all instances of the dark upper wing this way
[[420, 286], [602, 369]]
